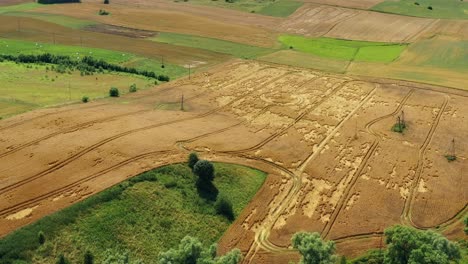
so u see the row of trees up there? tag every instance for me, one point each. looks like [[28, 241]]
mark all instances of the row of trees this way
[[57, 1], [86, 64]]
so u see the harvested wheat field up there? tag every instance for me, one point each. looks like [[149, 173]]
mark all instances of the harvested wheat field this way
[[335, 166]]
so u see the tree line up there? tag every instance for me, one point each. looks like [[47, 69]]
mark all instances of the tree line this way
[[57, 1], [86, 65]]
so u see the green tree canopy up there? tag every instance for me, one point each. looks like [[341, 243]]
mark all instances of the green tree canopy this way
[[205, 170], [408, 245], [313, 249], [192, 160]]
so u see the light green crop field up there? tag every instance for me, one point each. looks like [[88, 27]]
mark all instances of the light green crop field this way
[[17, 8], [216, 45], [278, 8], [52, 18], [144, 216], [45, 87], [344, 49], [451, 9], [441, 51]]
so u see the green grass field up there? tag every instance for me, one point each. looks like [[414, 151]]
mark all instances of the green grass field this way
[[277, 8], [143, 216], [56, 19], [18, 8], [348, 50], [15, 47], [216, 45], [441, 51], [46, 87], [451, 9]]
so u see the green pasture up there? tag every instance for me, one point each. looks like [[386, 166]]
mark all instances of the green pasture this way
[[450, 9]]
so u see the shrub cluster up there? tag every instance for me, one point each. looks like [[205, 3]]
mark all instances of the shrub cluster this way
[[86, 65]]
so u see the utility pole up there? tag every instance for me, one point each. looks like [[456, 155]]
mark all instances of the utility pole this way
[[399, 124], [69, 92], [162, 62], [189, 71], [355, 131], [403, 118], [182, 103]]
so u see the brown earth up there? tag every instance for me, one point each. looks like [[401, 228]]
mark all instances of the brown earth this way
[[334, 165], [41, 31], [13, 2]]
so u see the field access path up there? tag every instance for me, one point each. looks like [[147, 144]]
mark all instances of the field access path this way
[[324, 139]]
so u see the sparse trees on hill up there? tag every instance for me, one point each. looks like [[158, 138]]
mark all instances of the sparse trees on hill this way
[[191, 251], [57, 1], [313, 249]]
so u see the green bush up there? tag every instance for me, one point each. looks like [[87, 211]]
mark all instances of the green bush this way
[[223, 206], [88, 257], [103, 12], [41, 237], [85, 99], [132, 88], [204, 170], [114, 92], [106, 2], [192, 160]]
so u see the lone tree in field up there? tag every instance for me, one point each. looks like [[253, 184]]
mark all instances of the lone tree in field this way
[[114, 92], [192, 160], [106, 2], [313, 249], [191, 251], [205, 172], [407, 245]]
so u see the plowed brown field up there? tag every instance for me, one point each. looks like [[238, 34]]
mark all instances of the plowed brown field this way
[[334, 165]]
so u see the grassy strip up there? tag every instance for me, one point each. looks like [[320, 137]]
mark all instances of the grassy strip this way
[[216, 45], [20, 7], [281, 8], [145, 215], [16, 47], [65, 21], [344, 49], [44, 87], [450, 9]]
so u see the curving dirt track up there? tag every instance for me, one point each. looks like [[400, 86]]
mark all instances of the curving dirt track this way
[[334, 165]]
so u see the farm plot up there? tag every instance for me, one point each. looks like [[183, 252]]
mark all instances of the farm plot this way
[[324, 139], [342, 23]]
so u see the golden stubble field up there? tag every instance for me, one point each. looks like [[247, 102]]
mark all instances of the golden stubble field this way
[[334, 164]]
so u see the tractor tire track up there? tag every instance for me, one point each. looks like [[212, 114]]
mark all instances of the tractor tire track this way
[[68, 130], [88, 149], [36, 200], [347, 193], [408, 206]]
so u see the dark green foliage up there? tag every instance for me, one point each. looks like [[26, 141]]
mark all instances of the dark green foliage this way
[[191, 251], [451, 158], [343, 260], [85, 99], [204, 170], [371, 257], [103, 12], [132, 88], [313, 249], [429, 7], [408, 245], [224, 207], [192, 160], [41, 237], [106, 2], [466, 225], [57, 1], [62, 260], [416, 3], [114, 92], [399, 127], [88, 257], [87, 65]]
